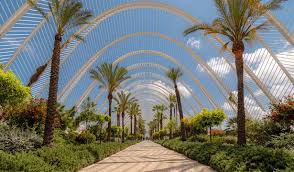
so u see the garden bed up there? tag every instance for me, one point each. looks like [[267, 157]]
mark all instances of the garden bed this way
[[229, 158], [68, 157]]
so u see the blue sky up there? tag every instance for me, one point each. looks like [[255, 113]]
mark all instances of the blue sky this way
[[38, 50]]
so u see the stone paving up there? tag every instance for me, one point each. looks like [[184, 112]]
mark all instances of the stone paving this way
[[147, 157]]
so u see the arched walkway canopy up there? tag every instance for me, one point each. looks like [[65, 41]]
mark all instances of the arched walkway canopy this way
[[146, 37]]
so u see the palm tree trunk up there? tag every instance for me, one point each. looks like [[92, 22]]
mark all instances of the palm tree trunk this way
[[238, 50], [161, 121], [183, 133], [123, 128], [131, 125], [135, 124], [109, 113], [118, 119], [210, 133], [170, 119], [52, 96]]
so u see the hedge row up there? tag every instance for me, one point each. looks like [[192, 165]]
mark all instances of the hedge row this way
[[229, 158], [60, 158]]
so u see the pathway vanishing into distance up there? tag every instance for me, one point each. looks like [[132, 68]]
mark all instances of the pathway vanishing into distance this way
[[147, 157]]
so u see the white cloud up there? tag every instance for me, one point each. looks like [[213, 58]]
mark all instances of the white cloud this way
[[193, 42], [219, 65]]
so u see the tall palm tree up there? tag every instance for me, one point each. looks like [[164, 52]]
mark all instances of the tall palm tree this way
[[118, 113], [67, 15], [237, 21], [109, 77], [124, 100], [159, 109], [152, 127], [137, 118], [132, 113], [174, 75], [172, 101]]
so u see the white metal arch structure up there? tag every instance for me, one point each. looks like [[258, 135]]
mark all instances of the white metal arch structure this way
[[133, 67], [154, 88], [13, 19], [206, 67], [91, 61], [197, 100], [78, 75], [135, 5], [284, 31], [152, 75], [165, 7], [90, 88], [139, 76], [289, 41]]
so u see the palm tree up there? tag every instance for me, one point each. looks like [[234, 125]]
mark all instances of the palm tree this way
[[174, 75], [109, 77], [118, 113], [124, 100], [152, 127], [137, 116], [237, 21], [67, 15], [134, 112], [159, 109], [172, 101]]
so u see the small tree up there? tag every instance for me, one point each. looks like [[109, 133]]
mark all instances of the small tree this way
[[101, 119], [12, 92], [171, 125], [116, 131], [88, 114], [209, 119]]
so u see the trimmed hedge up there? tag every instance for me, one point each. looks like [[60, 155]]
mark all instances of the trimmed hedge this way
[[60, 158], [228, 158]]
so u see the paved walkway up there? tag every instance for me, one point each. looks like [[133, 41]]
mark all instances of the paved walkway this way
[[147, 157]]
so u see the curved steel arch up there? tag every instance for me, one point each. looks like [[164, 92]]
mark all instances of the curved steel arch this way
[[135, 76], [133, 5], [133, 84], [186, 16], [157, 97], [13, 19], [90, 88], [159, 77], [161, 96], [71, 85], [154, 87]]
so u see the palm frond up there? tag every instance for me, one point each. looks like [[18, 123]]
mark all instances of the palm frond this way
[[34, 4]]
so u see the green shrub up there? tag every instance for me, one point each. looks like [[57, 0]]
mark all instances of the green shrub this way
[[230, 158], [61, 158], [27, 162], [86, 137], [285, 140], [13, 139], [230, 140], [197, 138]]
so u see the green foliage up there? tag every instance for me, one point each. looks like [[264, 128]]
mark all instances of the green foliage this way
[[67, 117], [13, 139], [116, 131], [61, 158], [109, 76], [207, 118], [88, 113], [285, 140], [33, 115], [12, 91], [172, 125], [227, 158], [86, 137]]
